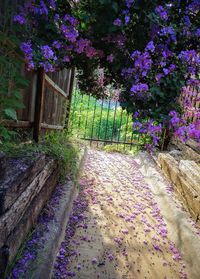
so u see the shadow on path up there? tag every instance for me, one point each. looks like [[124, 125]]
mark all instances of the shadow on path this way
[[117, 230]]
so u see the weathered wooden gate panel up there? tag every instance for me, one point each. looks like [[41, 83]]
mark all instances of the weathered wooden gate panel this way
[[46, 99]]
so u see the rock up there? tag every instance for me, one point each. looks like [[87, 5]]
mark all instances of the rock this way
[[176, 153], [183, 187], [194, 145], [189, 150], [191, 171]]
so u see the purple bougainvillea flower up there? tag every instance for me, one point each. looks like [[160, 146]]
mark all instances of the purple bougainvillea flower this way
[[69, 32], [118, 240], [79, 266], [129, 3], [127, 19], [150, 46], [73, 21], [117, 22], [157, 247], [20, 18], [47, 52], [162, 12], [110, 58], [110, 257], [124, 231], [94, 261]]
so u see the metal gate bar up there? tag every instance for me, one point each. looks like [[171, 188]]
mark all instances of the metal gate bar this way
[[114, 120], [93, 117], [101, 120], [86, 120], [107, 119], [112, 141]]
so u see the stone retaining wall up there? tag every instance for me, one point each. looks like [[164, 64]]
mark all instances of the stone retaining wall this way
[[25, 186], [181, 165]]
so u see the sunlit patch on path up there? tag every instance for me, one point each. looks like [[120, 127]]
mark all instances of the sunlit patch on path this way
[[116, 229]]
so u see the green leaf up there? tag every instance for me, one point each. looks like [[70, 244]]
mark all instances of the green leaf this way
[[10, 113], [83, 25], [21, 81], [103, 2], [17, 94], [115, 7]]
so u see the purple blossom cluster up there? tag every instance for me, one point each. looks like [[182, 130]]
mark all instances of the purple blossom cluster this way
[[193, 7], [129, 3], [142, 63], [166, 59], [82, 45], [162, 12], [110, 58], [20, 18], [192, 61], [184, 130], [56, 49], [69, 32], [73, 21], [150, 47], [117, 22], [26, 47], [150, 128], [162, 59], [140, 90], [47, 53], [168, 31]]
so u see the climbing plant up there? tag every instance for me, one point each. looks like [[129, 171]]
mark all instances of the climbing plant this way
[[12, 80], [150, 48]]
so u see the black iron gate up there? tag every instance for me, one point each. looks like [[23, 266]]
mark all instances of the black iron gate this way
[[101, 120]]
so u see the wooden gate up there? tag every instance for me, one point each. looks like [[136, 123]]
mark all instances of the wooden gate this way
[[52, 100], [46, 102], [47, 97]]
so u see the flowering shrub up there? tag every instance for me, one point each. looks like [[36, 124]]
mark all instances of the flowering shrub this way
[[150, 48], [161, 56], [182, 129], [50, 35]]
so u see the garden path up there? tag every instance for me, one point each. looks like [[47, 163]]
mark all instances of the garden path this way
[[126, 223]]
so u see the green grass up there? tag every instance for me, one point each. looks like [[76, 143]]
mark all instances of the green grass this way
[[88, 119], [57, 145]]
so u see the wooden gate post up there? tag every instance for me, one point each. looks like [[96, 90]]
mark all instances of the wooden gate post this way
[[70, 97], [39, 104]]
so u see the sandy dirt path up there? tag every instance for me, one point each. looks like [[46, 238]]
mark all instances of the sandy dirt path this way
[[117, 229]]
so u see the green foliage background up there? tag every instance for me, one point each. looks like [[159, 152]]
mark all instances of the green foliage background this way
[[12, 80], [89, 119]]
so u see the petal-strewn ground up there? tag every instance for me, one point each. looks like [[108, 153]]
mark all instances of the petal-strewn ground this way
[[118, 228]]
